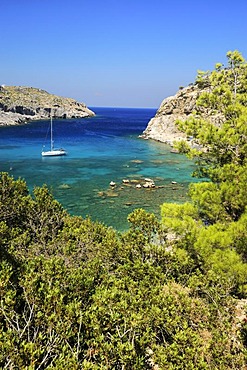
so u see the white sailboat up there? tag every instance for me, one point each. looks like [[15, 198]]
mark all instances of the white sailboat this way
[[53, 152]]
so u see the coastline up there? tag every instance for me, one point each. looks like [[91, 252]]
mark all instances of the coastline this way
[[162, 127], [100, 149], [20, 105]]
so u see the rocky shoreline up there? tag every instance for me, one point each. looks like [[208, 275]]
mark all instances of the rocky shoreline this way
[[163, 127], [19, 105]]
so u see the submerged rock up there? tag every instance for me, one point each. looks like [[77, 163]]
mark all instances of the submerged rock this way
[[112, 194], [64, 186], [137, 161]]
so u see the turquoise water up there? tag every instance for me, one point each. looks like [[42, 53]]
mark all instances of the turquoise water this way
[[100, 149]]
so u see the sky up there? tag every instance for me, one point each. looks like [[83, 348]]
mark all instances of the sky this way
[[117, 53]]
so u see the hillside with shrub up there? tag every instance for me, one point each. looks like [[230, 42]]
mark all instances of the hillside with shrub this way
[[168, 293]]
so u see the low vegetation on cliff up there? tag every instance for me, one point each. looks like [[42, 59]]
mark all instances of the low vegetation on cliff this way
[[166, 294], [20, 104]]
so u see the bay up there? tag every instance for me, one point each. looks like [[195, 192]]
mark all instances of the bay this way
[[100, 149]]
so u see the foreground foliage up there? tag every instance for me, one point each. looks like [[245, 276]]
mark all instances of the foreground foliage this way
[[80, 296], [165, 294]]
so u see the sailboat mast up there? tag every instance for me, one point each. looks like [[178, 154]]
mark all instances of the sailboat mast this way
[[51, 134], [53, 152]]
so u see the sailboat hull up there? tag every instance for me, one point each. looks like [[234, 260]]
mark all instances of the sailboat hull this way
[[54, 153]]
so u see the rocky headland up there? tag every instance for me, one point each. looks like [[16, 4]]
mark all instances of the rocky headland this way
[[163, 126], [19, 104]]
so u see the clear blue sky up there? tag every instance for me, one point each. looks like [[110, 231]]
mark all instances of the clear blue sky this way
[[116, 53]]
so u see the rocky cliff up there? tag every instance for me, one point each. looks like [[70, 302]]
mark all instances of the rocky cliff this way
[[20, 104], [178, 107]]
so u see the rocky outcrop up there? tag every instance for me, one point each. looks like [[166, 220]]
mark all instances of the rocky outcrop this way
[[178, 107], [20, 104]]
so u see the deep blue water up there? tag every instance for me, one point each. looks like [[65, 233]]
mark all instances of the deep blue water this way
[[100, 149]]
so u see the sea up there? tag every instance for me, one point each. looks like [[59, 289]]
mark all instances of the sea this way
[[102, 149]]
